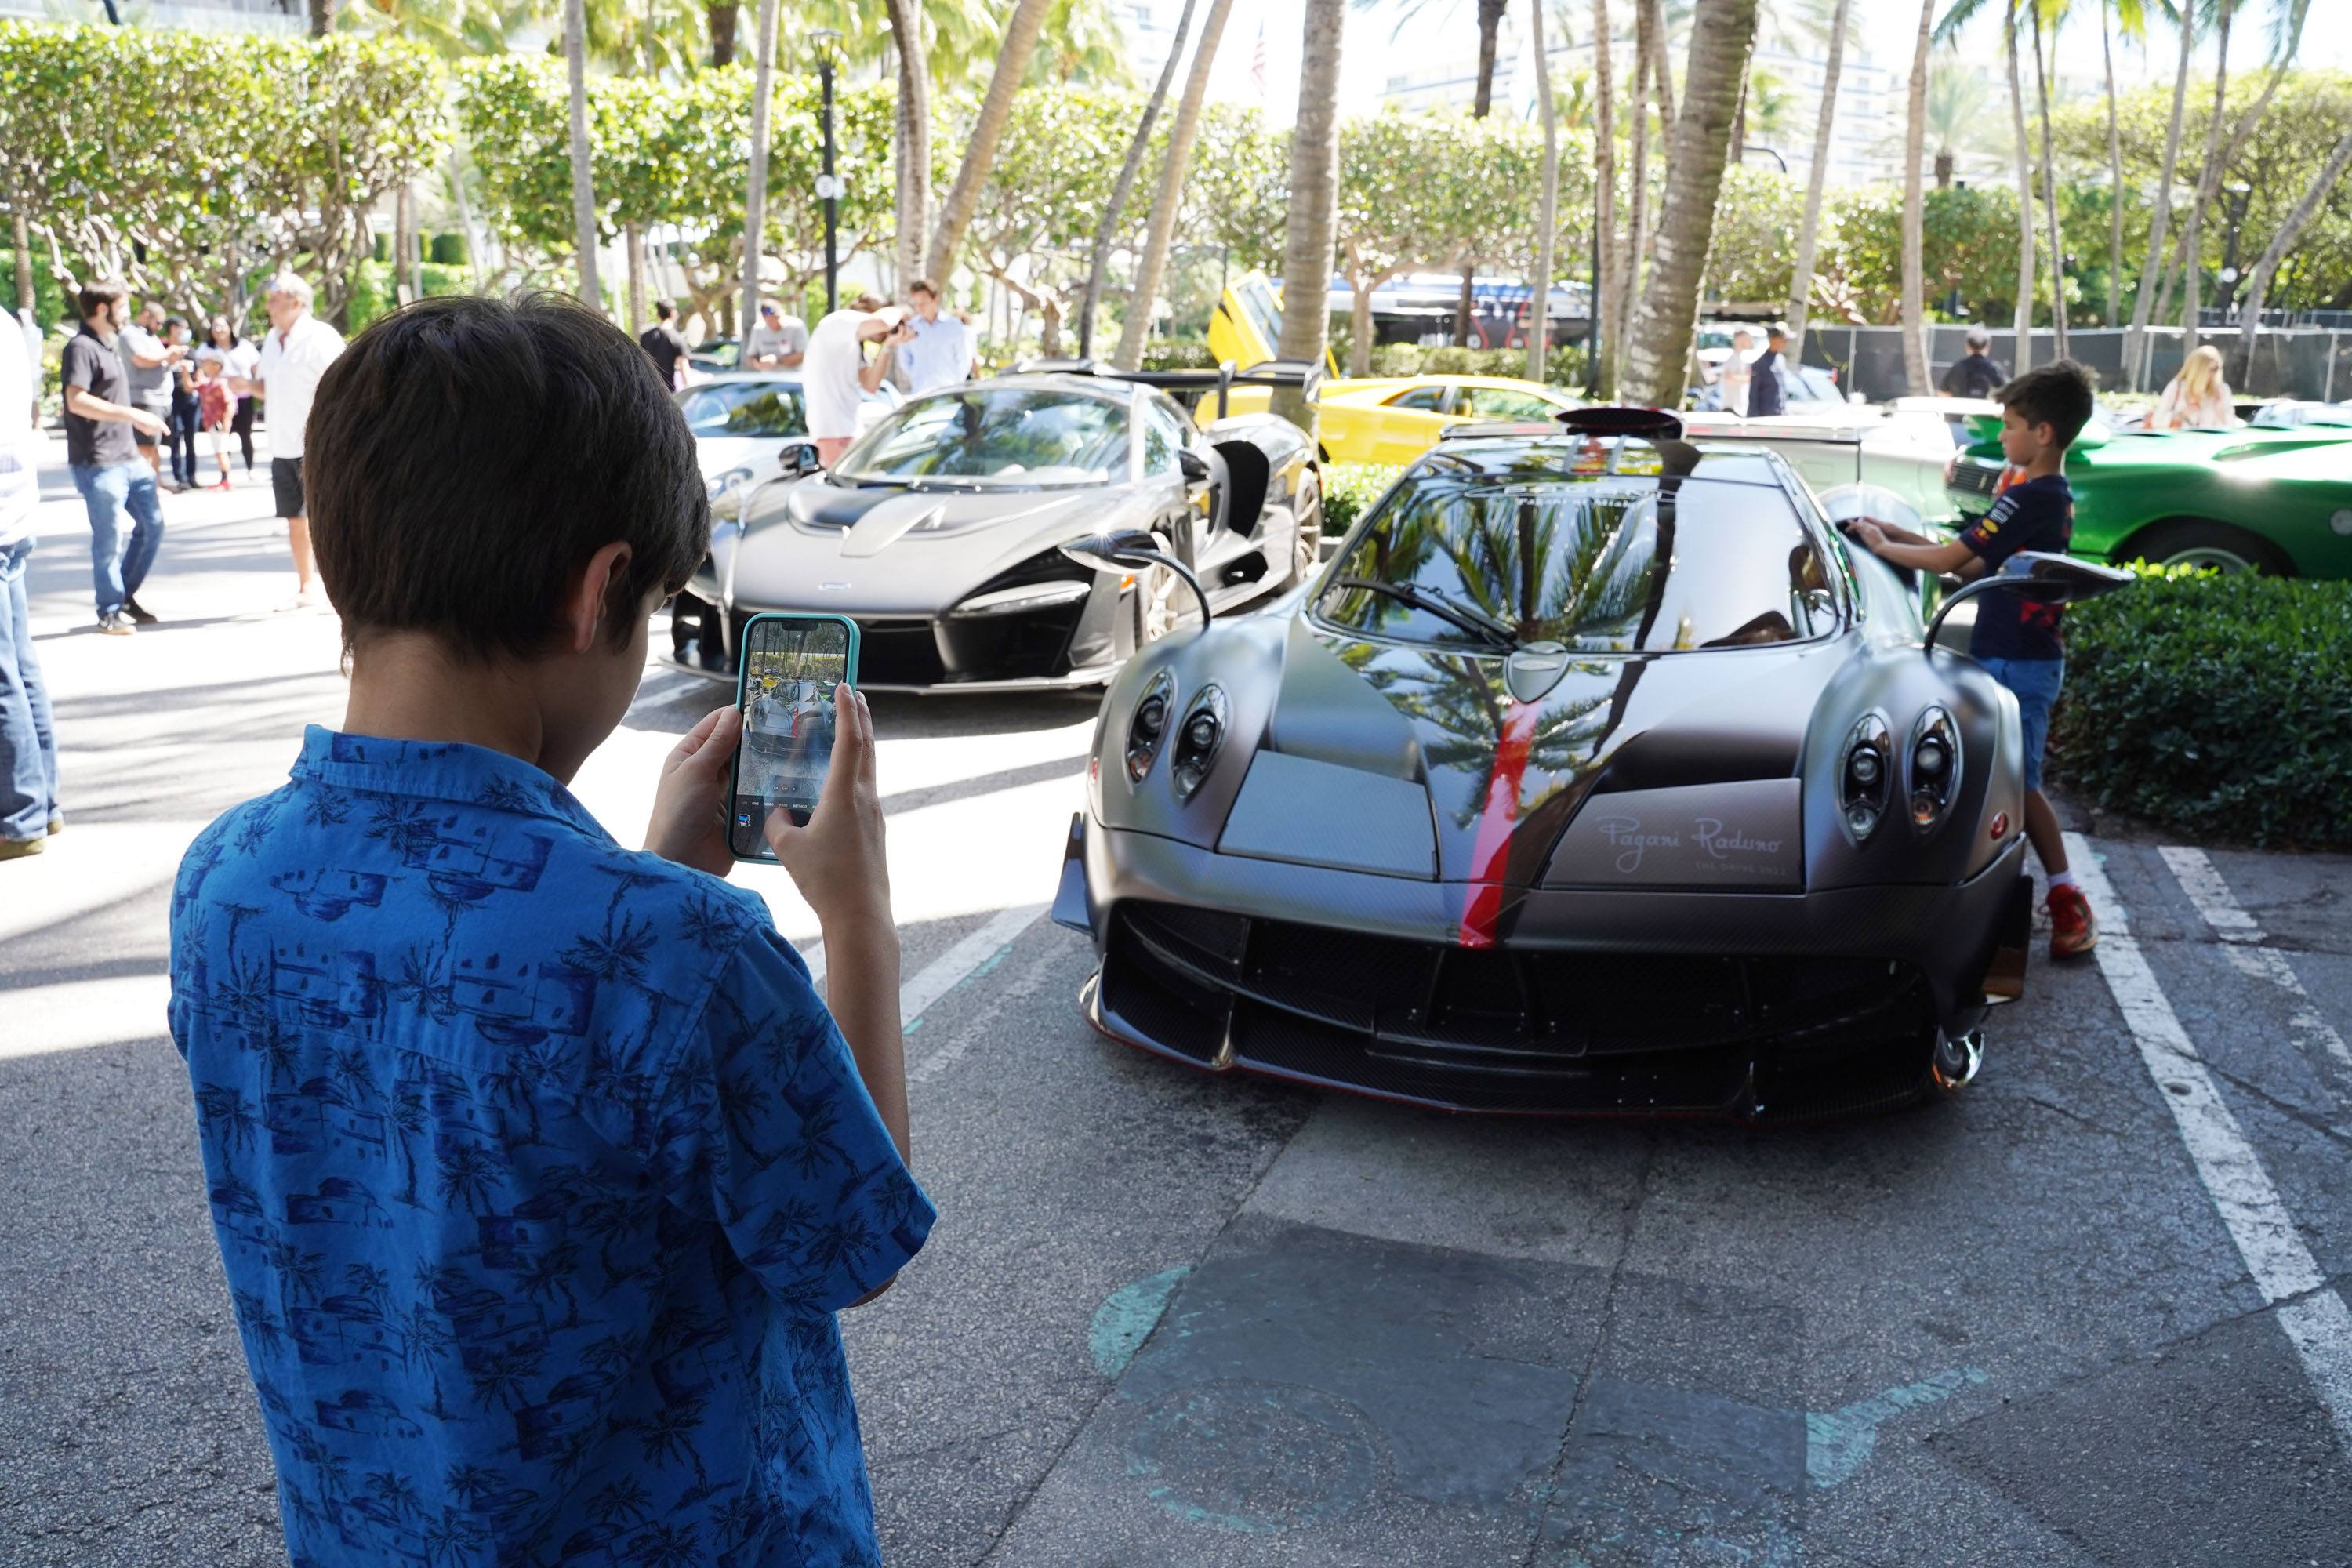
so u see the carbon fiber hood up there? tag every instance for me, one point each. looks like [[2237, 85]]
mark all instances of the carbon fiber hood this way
[[884, 550]]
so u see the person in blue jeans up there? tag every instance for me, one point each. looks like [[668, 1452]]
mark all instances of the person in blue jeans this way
[[2021, 642], [102, 451], [29, 751]]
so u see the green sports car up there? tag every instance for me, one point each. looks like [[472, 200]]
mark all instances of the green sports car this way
[[2277, 501]]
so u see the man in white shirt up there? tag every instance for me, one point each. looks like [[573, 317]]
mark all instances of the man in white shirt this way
[[294, 355], [941, 353], [836, 374], [28, 752], [777, 341]]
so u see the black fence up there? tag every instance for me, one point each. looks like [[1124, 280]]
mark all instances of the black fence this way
[[2302, 362]]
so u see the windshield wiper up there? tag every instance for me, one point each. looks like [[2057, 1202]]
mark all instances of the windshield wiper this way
[[1445, 606]]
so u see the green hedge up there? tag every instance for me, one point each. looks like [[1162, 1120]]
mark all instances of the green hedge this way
[[446, 249], [49, 306], [1348, 489], [2218, 707], [372, 294]]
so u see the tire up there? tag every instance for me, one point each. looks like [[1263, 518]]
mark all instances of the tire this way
[[1306, 541], [1154, 603], [2202, 541]]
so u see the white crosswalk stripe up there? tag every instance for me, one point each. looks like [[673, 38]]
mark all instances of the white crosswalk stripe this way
[[2313, 1314]]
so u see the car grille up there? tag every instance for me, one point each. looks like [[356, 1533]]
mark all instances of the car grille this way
[[1496, 1029]]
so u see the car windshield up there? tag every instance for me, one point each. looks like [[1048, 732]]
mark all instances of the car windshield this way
[[743, 408], [1007, 436], [1603, 565]]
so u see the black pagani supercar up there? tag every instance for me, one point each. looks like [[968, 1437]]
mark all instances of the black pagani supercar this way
[[1595, 773]]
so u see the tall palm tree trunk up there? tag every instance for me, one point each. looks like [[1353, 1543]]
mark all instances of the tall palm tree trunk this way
[[1800, 281], [23, 236], [2024, 196], [1546, 203], [979, 150], [2258, 280], [584, 197], [1915, 207], [2114, 175], [1124, 185], [1136, 331], [1599, 306], [1311, 223], [722, 16], [2144, 289], [632, 240], [1723, 33], [2049, 194], [2191, 262], [913, 137], [755, 190], [1490, 28], [322, 17], [1637, 192]]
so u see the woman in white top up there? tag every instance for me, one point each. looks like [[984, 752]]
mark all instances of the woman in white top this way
[[2197, 398]]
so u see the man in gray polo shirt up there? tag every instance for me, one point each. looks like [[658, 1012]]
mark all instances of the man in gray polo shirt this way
[[101, 421]]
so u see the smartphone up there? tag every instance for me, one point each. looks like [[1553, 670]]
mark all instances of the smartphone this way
[[791, 666]]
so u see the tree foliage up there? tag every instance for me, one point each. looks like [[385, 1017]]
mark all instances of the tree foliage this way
[[119, 175]]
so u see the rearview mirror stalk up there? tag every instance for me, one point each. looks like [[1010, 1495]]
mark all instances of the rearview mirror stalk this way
[[1128, 549], [2042, 576]]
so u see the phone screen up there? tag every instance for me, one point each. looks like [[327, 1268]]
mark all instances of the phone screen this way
[[792, 664]]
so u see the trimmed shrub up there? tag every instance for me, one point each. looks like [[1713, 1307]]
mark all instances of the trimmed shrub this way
[[2215, 706], [1348, 489], [1178, 353], [446, 250]]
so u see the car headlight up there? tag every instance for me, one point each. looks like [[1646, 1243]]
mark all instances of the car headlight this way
[[727, 491], [1198, 738], [1149, 725], [1934, 769], [1020, 598], [1864, 770]]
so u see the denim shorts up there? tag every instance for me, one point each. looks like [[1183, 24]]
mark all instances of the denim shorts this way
[[2036, 683]]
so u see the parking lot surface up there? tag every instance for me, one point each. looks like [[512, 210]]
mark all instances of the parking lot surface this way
[[2091, 1310]]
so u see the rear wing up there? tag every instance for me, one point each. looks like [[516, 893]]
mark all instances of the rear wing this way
[[1306, 376]]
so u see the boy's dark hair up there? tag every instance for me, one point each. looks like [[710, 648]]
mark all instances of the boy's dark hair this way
[[924, 286], [466, 456], [102, 291], [663, 309], [2057, 395]]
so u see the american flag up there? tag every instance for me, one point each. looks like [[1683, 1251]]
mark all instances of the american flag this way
[[1258, 60]]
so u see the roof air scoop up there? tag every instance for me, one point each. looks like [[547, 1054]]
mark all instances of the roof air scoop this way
[[1650, 423]]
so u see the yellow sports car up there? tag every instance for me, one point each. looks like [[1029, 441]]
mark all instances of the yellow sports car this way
[[1394, 419]]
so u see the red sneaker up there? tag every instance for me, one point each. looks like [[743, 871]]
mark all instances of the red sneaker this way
[[2073, 929]]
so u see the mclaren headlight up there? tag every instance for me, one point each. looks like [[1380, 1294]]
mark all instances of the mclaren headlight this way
[[727, 491], [1932, 768], [1021, 598], [1865, 776]]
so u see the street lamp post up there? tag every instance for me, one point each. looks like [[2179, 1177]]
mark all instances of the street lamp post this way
[[828, 185]]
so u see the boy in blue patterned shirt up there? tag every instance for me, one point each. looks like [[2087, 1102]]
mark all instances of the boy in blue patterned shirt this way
[[2022, 642], [538, 1168]]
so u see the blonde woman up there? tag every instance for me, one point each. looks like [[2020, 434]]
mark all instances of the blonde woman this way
[[2197, 398]]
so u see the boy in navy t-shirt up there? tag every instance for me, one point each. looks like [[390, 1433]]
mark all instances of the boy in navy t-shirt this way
[[2043, 412]]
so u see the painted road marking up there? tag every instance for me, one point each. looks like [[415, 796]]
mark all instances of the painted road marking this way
[[2241, 943], [79, 1015], [1021, 986], [1838, 1443], [2283, 1270]]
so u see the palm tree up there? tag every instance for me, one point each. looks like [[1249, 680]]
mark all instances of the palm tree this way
[[2133, 26], [2053, 10], [913, 138], [987, 130], [584, 196], [1955, 122], [1603, 369], [1801, 282], [1723, 33], [1547, 201], [2286, 33], [755, 191], [721, 17], [1311, 223], [2187, 259], [1628, 282], [1915, 281], [1136, 331], [2144, 289], [1124, 187]]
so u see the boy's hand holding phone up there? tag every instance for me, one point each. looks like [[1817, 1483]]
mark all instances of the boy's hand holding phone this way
[[690, 816], [837, 860]]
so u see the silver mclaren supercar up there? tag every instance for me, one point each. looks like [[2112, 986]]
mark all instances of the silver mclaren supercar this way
[[939, 530]]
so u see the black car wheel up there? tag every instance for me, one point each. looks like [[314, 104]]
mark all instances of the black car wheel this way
[[2214, 546]]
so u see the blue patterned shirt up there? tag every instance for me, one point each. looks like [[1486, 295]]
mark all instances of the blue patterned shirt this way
[[539, 1172]]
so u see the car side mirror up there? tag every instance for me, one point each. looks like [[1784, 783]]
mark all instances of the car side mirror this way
[[800, 459], [1125, 550], [1192, 465], [2041, 576]]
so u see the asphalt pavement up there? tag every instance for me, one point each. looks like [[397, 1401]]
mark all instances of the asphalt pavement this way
[[2091, 1310]]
